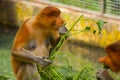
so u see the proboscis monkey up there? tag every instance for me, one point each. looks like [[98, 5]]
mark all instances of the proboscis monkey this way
[[32, 43], [112, 58]]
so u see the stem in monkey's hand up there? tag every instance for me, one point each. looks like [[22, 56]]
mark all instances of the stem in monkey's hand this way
[[63, 38], [51, 68], [54, 72]]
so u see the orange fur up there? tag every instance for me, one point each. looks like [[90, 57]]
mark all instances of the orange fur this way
[[112, 59], [29, 45]]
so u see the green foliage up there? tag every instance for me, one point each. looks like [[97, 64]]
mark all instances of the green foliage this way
[[87, 29], [64, 69], [6, 77], [5, 68], [65, 73], [53, 74], [3, 77], [100, 24]]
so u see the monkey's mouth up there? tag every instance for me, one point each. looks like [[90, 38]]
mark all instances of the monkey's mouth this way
[[106, 66], [62, 30]]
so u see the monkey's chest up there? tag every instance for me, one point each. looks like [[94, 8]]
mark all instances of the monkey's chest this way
[[41, 51], [37, 48]]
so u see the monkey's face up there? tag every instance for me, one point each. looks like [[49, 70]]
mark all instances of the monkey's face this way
[[112, 60], [50, 18]]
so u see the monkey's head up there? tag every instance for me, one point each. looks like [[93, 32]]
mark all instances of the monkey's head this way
[[112, 59], [50, 18]]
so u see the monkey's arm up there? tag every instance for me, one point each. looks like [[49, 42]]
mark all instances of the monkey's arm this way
[[55, 38], [26, 56], [20, 53]]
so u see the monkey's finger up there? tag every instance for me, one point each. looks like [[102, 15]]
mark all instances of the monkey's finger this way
[[44, 62]]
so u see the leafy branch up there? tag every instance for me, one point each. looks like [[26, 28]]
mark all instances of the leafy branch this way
[[50, 71], [63, 38]]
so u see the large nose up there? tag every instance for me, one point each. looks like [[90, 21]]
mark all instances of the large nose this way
[[102, 59]]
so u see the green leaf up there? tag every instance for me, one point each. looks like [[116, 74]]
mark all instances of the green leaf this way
[[87, 28], [100, 24], [94, 31]]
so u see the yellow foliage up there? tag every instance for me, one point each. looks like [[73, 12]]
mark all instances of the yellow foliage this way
[[107, 36], [23, 12]]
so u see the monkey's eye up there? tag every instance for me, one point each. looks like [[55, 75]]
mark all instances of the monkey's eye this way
[[53, 13], [42, 14]]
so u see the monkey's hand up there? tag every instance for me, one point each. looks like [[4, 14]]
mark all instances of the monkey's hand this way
[[103, 75], [43, 61]]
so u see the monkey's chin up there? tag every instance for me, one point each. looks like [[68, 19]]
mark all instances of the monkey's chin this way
[[109, 68], [115, 70]]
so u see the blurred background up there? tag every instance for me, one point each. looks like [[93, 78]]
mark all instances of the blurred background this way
[[81, 49]]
